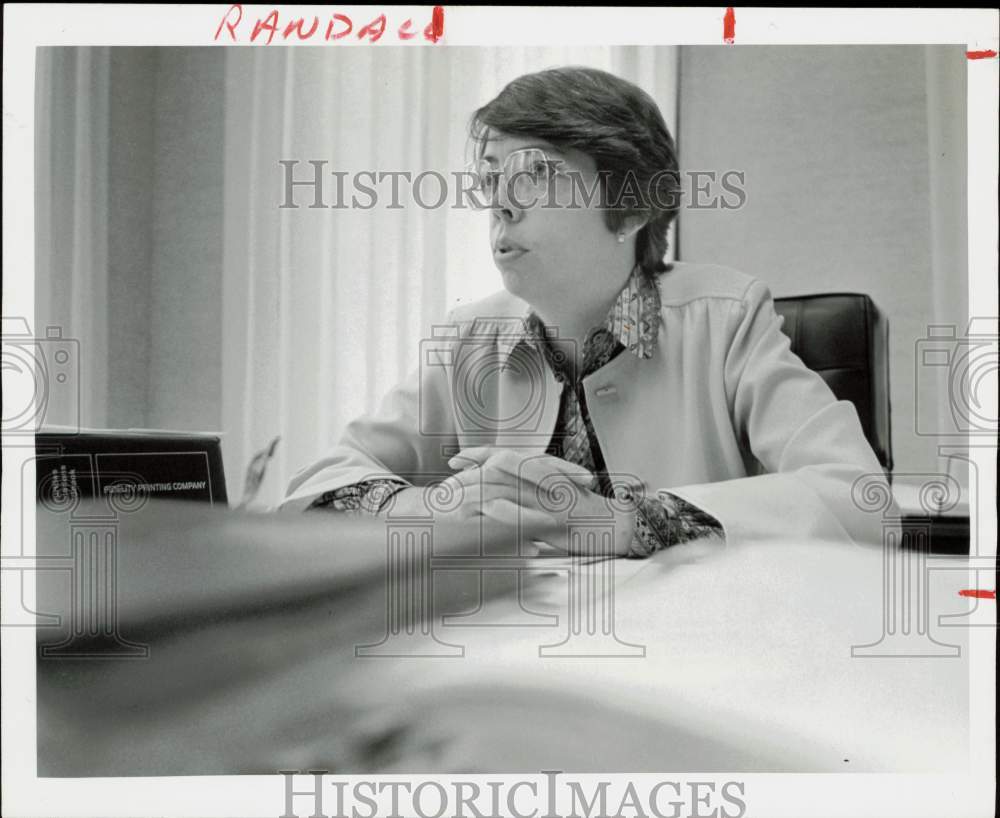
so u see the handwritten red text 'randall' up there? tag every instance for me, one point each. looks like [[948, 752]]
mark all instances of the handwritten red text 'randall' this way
[[338, 26]]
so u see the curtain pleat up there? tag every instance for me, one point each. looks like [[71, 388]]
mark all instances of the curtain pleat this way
[[71, 236]]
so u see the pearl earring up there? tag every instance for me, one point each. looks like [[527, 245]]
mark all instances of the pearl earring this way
[[621, 236]]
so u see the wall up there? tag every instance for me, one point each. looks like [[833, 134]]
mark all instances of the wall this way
[[855, 178]]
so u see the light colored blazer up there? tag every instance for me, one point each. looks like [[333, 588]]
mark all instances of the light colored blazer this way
[[723, 414]]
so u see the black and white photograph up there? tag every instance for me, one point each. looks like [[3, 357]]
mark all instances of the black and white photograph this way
[[483, 411]]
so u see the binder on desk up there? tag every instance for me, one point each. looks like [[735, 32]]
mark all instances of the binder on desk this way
[[154, 463]]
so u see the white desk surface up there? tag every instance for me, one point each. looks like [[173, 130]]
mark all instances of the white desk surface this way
[[747, 663]]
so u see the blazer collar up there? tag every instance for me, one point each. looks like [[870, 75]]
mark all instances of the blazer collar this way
[[634, 321]]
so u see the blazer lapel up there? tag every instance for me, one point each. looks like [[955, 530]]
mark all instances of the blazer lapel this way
[[528, 397], [614, 404]]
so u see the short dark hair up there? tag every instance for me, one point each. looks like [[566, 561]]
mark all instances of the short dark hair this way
[[613, 121]]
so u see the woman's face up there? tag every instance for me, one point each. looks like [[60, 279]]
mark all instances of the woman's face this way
[[559, 257]]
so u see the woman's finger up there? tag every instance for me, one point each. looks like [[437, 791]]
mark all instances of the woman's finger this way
[[518, 463], [478, 455], [529, 521], [532, 467], [546, 469], [477, 494]]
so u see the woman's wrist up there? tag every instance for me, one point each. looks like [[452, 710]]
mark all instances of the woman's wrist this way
[[405, 501], [625, 531]]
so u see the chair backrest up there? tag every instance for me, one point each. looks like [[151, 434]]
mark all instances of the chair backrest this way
[[845, 338]]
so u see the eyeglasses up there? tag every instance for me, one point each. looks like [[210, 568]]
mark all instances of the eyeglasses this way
[[529, 175]]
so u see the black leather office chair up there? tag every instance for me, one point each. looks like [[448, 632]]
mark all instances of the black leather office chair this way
[[845, 338]]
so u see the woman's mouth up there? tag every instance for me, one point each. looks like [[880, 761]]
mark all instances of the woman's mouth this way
[[507, 250]]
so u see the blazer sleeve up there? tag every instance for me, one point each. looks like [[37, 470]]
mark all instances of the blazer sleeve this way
[[816, 460], [410, 438]]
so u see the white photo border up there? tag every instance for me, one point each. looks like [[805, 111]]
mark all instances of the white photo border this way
[[28, 26]]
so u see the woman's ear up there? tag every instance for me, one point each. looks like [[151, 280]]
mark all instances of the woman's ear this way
[[633, 224]]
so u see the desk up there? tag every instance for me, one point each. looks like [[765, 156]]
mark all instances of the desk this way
[[266, 643]]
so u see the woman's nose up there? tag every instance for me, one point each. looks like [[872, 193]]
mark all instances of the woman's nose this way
[[504, 206]]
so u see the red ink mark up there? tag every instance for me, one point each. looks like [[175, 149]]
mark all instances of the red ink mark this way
[[337, 27], [729, 26], [339, 18], [374, 30], [296, 25], [231, 26], [404, 31], [270, 23], [980, 55], [976, 594], [435, 29]]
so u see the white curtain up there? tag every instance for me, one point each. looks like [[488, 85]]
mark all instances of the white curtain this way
[[198, 302], [71, 223], [325, 308]]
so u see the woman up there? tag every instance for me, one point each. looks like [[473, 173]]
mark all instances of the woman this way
[[669, 388]]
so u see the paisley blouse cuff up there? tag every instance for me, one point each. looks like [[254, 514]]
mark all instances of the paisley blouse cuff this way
[[367, 497], [668, 520]]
